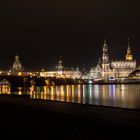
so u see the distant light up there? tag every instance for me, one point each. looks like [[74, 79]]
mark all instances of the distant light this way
[[8, 73], [19, 73], [90, 81]]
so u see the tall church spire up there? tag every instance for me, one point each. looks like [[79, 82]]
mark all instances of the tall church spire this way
[[105, 46], [129, 56], [99, 61], [105, 57], [128, 42], [60, 64]]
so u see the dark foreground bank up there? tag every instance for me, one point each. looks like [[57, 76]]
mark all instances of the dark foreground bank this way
[[27, 118]]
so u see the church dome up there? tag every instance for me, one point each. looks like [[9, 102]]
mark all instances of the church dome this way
[[17, 64]]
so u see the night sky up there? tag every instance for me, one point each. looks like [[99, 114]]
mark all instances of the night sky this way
[[42, 30]]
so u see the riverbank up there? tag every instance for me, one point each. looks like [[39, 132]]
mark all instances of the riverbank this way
[[49, 119]]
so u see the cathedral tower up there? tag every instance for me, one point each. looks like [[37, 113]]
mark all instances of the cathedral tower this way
[[105, 57], [129, 56], [60, 66]]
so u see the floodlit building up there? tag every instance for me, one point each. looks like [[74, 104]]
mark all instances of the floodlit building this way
[[107, 68], [17, 68], [61, 72]]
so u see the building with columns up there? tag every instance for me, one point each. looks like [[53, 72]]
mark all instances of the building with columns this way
[[107, 68]]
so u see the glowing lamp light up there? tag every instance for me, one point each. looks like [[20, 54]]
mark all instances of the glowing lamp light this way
[[19, 73]]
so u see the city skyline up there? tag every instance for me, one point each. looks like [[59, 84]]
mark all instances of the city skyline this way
[[41, 31], [81, 66]]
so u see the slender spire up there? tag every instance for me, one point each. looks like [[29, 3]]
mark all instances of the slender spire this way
[[105, 46], [129, 42], [99, 61], [60, 64], [105, 56], [129, 56], [105, 42]]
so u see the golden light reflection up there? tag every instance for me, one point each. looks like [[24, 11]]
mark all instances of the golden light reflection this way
[[105, 91], [72, 93], [42, 95], [105, 95], [38, 91], [62, 93], [32, 89], [110, 95], [52, 92], [45, 90], [57, 92], [96, 91], [122, 90], [34, 95], [84, 94], [67, 93], [79, 93]]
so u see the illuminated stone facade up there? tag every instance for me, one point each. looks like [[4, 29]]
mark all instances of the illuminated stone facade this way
[[113, 69], [60, 72]]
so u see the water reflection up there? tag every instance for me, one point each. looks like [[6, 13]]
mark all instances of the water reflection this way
[[127, 96]]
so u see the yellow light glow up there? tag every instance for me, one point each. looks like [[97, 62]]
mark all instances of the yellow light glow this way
[[31, 73], [19, 74]]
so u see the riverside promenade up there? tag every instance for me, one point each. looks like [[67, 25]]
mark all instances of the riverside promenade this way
[[28, 118]]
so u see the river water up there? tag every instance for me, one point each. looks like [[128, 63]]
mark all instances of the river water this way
[[123, 95]]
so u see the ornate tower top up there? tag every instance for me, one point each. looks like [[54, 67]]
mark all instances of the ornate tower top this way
[[129, 56], [105, 57], [99, 61], [105, 46], [17, 65], [60, 64]]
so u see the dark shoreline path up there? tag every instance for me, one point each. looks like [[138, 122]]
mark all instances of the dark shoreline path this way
[[49, 119]]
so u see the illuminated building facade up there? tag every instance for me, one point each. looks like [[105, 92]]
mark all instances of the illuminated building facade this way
[[17, 68], [113, 69], [61, 72]]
